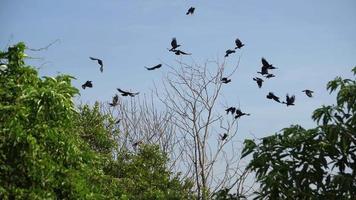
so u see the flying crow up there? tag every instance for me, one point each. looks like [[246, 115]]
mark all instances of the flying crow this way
[[155, 67], [100, 62], [125, 93], [238, 43], [272, 96], [174, 44], [266, 64], [225, 80], [115, 101], [190, 11], [231, 109], [179, 52], [87, 84], [289, 100], [270, 75], [264, 70], [309, 93], [259, 81], [239, 113], [228, 52]]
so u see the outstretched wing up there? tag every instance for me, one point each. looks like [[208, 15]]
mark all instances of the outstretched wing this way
[[264, 62]]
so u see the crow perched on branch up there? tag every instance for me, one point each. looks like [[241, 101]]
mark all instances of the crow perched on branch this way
[[223, 137], [100, 62], [238, 43], [272, 96], [87, 84], [259, 81], [155, 67], [309, 93], [190, 11], [125, 93]]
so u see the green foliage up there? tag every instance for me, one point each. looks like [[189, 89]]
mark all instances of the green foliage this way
[[315, 163], [50, 150]]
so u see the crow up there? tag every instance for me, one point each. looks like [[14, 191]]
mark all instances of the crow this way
[[174, 44], [190, 11], [155, 67], [259, 81], [100, 62], [228, 52], [125, 93], [270, 75], [179, 52], [309, 93], [239, 113], [231, 109], [225, 80], [115, 100], [118, 121], [134, 145], [223, 137], [266, 64], [238, 43], [272, 96], [264, 70], [87, 84], [289, 100]]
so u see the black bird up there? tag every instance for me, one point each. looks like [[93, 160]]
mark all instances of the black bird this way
[[118, 121], [223, 137], [190, 11], [225, 80], [125, 93], [270, 75], [239, 113], [115, 101], [259, 81], [272, 96], [87, 84], [155, 67], [238, 43], [174, 44], [231, 109], [228, 52], [266, 64], [179, 52], [264, 71], [309, 93], [100, 62], [289, 100]]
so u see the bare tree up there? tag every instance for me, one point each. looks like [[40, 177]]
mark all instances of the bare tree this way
[[192, 94]]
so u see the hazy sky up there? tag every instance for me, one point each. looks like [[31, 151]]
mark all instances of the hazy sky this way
[[310, 41]]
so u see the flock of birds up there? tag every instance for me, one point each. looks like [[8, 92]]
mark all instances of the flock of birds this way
[[266, 66]]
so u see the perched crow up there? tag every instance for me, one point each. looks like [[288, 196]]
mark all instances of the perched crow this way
[[190, 11], [272, 96], [238, 43], [264, 70], [270, 75], [125, 93], [266, 64], [174, 44], [289, 100], [259, 81], [115, 101], [87, 84], [155, 67], [223, 137], [134, 145], [231, 109], [228, 52], [179, 52], [100, 62], [309, 93], [225, 80], [239, 113], [118, 121]]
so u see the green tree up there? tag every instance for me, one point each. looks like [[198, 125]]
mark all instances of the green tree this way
[[315, 163]]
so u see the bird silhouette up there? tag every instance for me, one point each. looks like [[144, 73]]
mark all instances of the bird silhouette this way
[[174, 44], [228, 52], [179, 52], [115, 101], [239, 113], [87, 84], [259, 81], [100, 62], [264, 70], [272, 96], [223, 137], [190, 11], [225, 80], [231, 109], [289, 100], [266, 64], [155, 67], [270, 76], [118, 121], [125, 93], [238, 43], [309, 93]]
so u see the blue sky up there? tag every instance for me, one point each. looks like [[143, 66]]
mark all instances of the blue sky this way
[[310, 42]]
